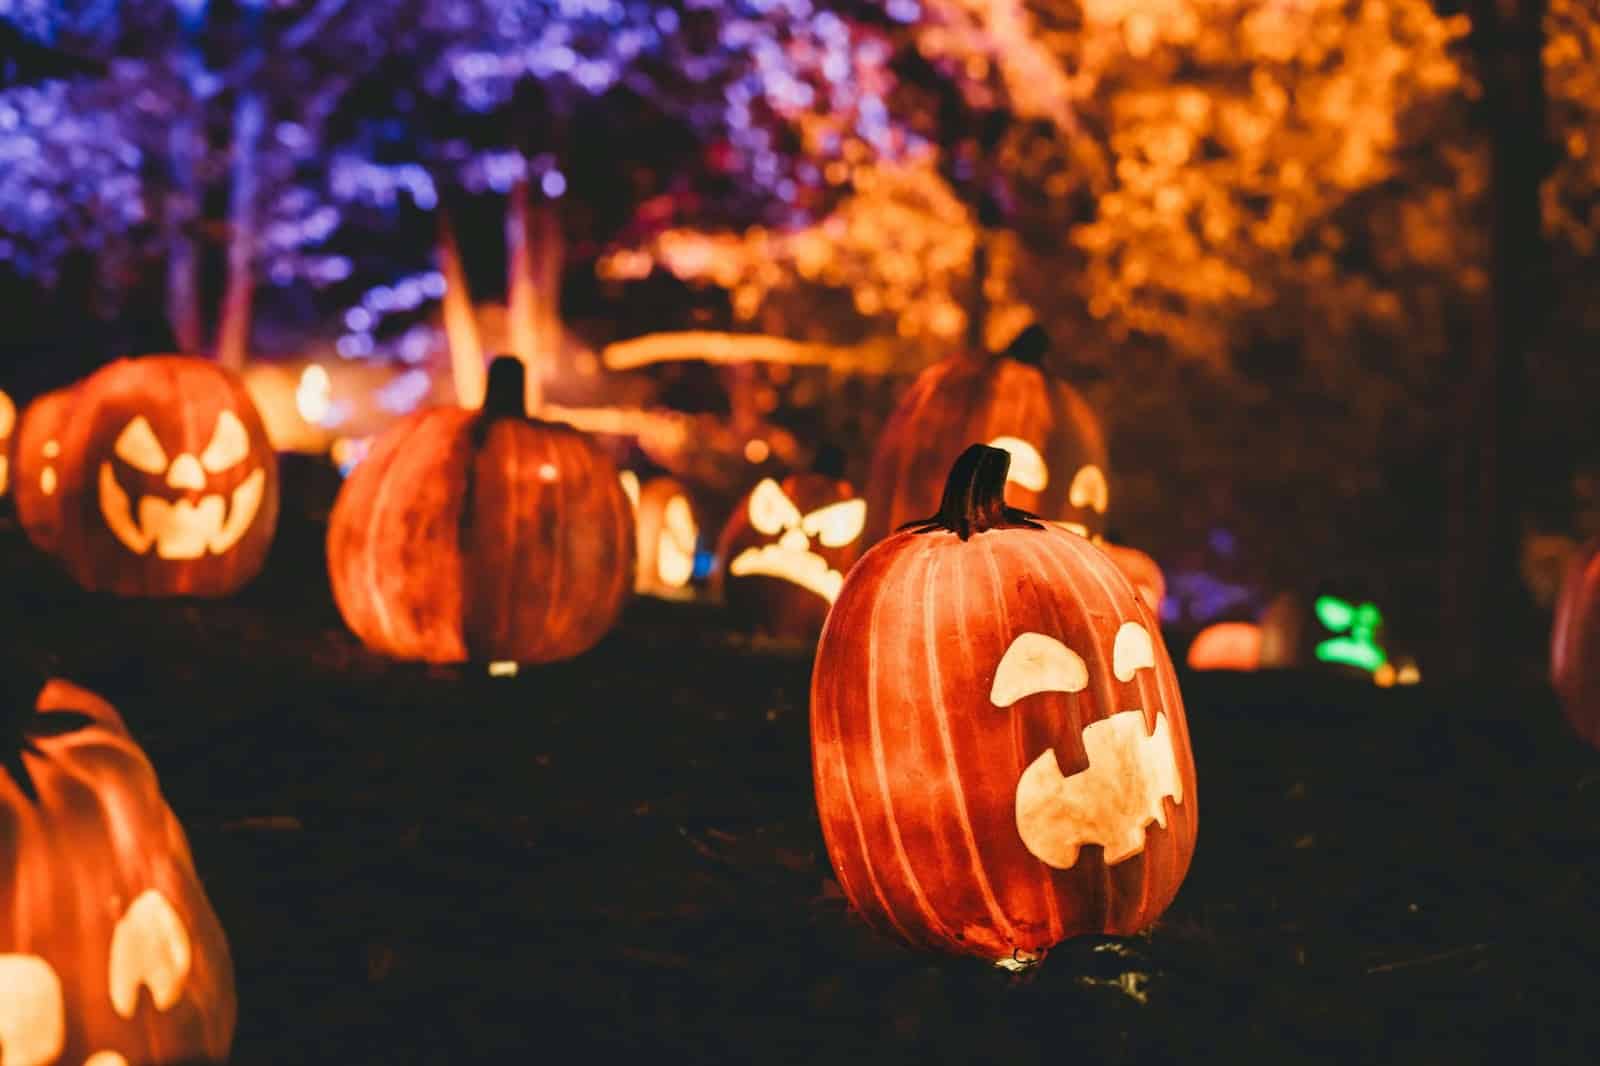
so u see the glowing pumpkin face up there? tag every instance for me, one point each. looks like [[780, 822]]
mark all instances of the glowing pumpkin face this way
[[786, 549], [110, 954], [999, 747], [667, 535]]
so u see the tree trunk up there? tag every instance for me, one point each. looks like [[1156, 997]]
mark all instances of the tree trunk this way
[[233, 332], [460, 324]]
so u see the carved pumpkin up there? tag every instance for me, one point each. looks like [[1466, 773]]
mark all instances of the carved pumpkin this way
[[110, 954], [667, 535], [1143, 571], [785, 551], [1575, 643], [154, 477], [8, 423], [1058, 452], [999, 748], [482, 535]]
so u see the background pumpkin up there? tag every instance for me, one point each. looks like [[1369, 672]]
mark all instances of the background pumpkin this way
[[1143, 571], [1007, 398], [667, 536], [8, 424], [483, 535], [969, 668], [155, 478], [109, 949], [1575, 643]]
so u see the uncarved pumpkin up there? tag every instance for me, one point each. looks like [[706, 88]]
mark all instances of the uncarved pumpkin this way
[[154, 477], [999, 748], [482, 535], [109, 950], [1575, 643], [1059, 464], [1226, 646]]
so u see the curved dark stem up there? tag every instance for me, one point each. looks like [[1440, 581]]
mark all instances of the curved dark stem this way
[[1029, 346], [975, 497], [22, 723], [503, 396]]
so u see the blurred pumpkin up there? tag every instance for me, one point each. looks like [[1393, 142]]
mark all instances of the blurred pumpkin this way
[[8, 423], [999, 748], [154, 477], [109, 950], [1057, 448], [1575, 643], [1143, 571], [667, 535], [1226, 646], [482, 535]]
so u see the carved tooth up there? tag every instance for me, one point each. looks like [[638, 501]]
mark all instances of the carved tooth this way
[[32, 1022]]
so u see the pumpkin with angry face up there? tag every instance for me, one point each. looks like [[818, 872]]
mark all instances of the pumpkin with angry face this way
[[151, 477], [110, 954], [999, 748], [1057, 448]]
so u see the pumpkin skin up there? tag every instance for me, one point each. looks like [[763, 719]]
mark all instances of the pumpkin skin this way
[[1143, 571], [781, 580], [667, 534], [8, 424], [109, 950], [1007, 400], [954, 783], [1227, 646], [165, 483], [35, 464], [1575, 643], [482, 535]]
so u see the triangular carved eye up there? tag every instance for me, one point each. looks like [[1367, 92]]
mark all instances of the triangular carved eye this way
[[1037, 663], [771, 511], [33, 1029], [138, 447], [229, 444], [836, 524]]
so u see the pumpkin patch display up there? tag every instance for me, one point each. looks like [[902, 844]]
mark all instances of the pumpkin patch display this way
[[1057, 447], [110, 954], [482, 535], [155, 478], [999, 748], [667, 535], [1575, 643], [785, 551]]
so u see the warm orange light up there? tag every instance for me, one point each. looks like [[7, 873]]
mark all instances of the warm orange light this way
[[313, 396], [757, 450]]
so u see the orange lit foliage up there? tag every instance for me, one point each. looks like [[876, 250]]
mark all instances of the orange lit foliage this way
[[999, 747], [1575, 643], [1572, 82], [109, 949], [482, 535]]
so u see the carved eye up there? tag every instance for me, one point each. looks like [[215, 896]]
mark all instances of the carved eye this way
[[836, 524], [1037, 663], [137, 446], [678, 520], [1028, 467], [32, 1022], [229, 444], [149, 949], [1089, 489], [771, 511], [1132, 651]]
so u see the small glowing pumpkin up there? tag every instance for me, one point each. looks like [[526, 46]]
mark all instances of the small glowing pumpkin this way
[[667, 535], [110, 953], [999, 748], [482, 535]]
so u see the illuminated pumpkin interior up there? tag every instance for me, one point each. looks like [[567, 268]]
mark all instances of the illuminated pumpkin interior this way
[[789, 557], [8, 422]]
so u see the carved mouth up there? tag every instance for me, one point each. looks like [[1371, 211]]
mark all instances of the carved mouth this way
[[804, 568], [1110, 803], [185, 529]]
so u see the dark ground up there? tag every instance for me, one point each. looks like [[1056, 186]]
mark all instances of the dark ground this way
[[619, 854]]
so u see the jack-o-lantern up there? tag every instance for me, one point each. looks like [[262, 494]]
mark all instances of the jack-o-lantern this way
[[1058, 451], [667, 535], [154, 478], [1575, 643], [482, 535], [785, 551], [8, 423], [1143, 571], [999, 747], [110, 954]]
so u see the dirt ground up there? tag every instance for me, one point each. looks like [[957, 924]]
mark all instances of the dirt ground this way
[[619, 854]]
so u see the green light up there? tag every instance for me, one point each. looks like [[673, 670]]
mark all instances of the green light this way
[[1358, 647]]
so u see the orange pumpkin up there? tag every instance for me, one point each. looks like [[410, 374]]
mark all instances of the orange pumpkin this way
[[154, 477], [109, 950], [999, 748], [785, 551], [1058, 451], [482, 535], [667, 535], [1575, 643], [1143, 571], [1227, 646], [8, 423]]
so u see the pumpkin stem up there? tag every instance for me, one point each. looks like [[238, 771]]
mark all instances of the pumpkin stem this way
[[503, 396], [1029, 346], [975, 497]]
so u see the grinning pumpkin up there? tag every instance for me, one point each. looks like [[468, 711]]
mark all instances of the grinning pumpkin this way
[[1575, 643], [1143, 571], [110, 954], [482, 535], [999, 748], [666, 535], [785, 550], [1058, 451], [8, 423], [151, 477]]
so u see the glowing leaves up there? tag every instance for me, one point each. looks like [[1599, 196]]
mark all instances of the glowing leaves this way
[[1037, 663], [32, 1021], [149, 949]]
